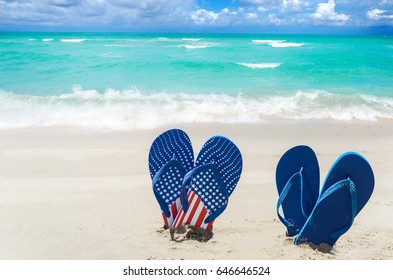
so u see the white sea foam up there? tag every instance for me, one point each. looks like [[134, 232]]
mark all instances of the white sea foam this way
[[73, 40], [191, 39], [195, 46], [131, 109], [278, 43], [199, 45], [47, 40], [259, 65]]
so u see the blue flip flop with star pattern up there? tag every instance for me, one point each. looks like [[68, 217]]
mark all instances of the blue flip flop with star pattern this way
[[207, 187], [171, 156]]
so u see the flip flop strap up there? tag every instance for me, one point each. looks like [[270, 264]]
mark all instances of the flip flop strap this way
[[350, 185], [288, 186]]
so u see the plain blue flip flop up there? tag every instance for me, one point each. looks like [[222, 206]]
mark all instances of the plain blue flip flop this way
[[346, 190], [207, 187], [297, 180], [171, 156]]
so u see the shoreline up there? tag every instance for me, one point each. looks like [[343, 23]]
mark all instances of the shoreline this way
[[78, 194]]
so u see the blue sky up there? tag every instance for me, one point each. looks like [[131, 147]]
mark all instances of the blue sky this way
[[265, 16]]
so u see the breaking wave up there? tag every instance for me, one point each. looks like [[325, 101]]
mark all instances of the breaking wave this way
[[259, 65], [278, 43], [131, 109]]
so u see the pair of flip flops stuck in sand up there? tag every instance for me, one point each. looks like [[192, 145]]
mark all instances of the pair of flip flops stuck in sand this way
[[321, 217], [193, 193]]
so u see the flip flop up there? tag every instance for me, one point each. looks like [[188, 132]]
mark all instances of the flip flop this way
[[207, 187], [346, 190], [170, 158], [297, 180]]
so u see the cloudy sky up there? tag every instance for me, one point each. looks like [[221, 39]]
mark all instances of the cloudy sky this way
[[331, 16]]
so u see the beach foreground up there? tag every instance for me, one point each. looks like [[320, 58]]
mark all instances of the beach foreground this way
[[71, 194]]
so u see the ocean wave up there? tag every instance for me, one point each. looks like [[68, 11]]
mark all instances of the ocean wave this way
[[47, 39], [278, 43], [196, 46], [131, 109], [191, 39], [171, 40], [259, 65], [73, 40]]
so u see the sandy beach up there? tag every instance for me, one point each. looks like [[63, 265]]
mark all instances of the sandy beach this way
[[73, 194]]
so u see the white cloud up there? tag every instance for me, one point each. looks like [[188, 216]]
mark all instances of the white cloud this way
[[125, 14], [251, 16], [202, 16], [293, 5], [262, 9], [378, 14], [375, 14], [326, 11], [146, 15], [226, 17], [273, 19]]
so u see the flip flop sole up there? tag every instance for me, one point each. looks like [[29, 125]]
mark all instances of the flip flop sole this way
[[207, 187], [347, 188], [301, 196], [354, 166], [226, 156], [172, 144], [170, 158]]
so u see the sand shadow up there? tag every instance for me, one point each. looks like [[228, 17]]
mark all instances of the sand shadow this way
[[323, 248], [184, 233]]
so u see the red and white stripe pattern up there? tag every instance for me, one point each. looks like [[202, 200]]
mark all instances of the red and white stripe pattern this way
[[174, 210], [196, 214], [168, 189], [204, 198]]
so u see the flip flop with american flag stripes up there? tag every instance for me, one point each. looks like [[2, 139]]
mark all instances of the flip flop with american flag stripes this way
[[207, 187], [171, 156]]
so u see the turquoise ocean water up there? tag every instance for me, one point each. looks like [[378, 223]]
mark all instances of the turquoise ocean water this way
[[136, 81]]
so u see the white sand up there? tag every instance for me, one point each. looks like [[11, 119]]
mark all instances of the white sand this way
[[68, 194]]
